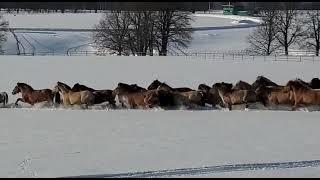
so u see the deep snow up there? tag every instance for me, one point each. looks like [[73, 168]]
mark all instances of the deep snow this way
[[45, 142]]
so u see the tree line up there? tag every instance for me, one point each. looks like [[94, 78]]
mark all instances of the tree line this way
[[283, 29], [143, 32]]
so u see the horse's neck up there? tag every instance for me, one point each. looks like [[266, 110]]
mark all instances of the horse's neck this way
[[64, 90], [26, 90]]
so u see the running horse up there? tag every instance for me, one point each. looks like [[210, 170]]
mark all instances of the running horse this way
[[32, 96], [71, 97]]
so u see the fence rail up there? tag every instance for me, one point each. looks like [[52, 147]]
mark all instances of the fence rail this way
[[191, 55]]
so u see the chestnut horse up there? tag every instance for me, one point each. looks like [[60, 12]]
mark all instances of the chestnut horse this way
[[71, 97], [133, 96], [32, 96], [303, 95]]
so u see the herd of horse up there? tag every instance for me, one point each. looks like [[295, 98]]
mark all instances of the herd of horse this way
[[295, 93]]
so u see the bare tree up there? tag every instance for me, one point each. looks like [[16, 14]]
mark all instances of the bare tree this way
[[3, 31], [288, 26], [141, 32], [262, 39], [172, 27], [313, 30], [112, 33]]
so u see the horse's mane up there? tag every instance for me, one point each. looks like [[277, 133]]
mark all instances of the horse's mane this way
[[77, 85], [64, 85], [24, 85], [297, 84]]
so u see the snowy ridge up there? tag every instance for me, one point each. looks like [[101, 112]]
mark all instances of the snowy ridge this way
[[207, 169]]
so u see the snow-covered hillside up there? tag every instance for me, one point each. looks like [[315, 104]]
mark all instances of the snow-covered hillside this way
[[46, 142]]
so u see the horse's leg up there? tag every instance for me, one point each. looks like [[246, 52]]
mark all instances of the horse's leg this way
[[19, 99]]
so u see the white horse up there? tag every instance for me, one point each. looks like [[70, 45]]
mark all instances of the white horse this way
[[4, 98]]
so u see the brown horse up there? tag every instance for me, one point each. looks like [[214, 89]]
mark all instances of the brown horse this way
[[188, 98], [241, 85], [32, 96], [74, 98], [211, 95], [231, 96], [303, 95], [156, 83], [100, 95], [274, 95], [131, 96]]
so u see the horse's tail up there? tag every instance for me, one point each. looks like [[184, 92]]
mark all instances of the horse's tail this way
[[6, 98]]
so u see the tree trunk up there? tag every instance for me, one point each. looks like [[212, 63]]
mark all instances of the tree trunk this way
[[317, 48]]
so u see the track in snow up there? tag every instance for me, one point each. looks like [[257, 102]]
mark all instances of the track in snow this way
[[209, 169]]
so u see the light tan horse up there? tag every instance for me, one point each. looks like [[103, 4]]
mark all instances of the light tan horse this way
[[74, 98], [303, 95], [231, 96], [275, 95]]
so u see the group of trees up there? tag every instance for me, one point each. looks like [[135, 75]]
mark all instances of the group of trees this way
[[142, 32], [3, 30], [282, 29]]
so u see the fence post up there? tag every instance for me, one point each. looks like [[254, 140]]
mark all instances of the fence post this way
[[242, 57], [275, 57], [223, 56], [232, 56], [287, 58], [86, 53], [252, 57]]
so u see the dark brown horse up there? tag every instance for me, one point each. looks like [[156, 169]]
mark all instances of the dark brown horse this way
[[211, 95], [156, 83], [262, 81], [303, 95], [32, 96], [187, 98], [100, 95], [315, 83]]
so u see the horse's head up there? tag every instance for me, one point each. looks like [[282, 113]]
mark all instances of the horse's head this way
[[16, 89], [63, 85], [137, 88], [204, 88], [224, 87], [154, 85]]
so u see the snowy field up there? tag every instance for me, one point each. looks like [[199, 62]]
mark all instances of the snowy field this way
[[48, 142], [206, 37]]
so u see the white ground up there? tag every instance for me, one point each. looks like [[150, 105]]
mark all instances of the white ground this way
[[46, 142]]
